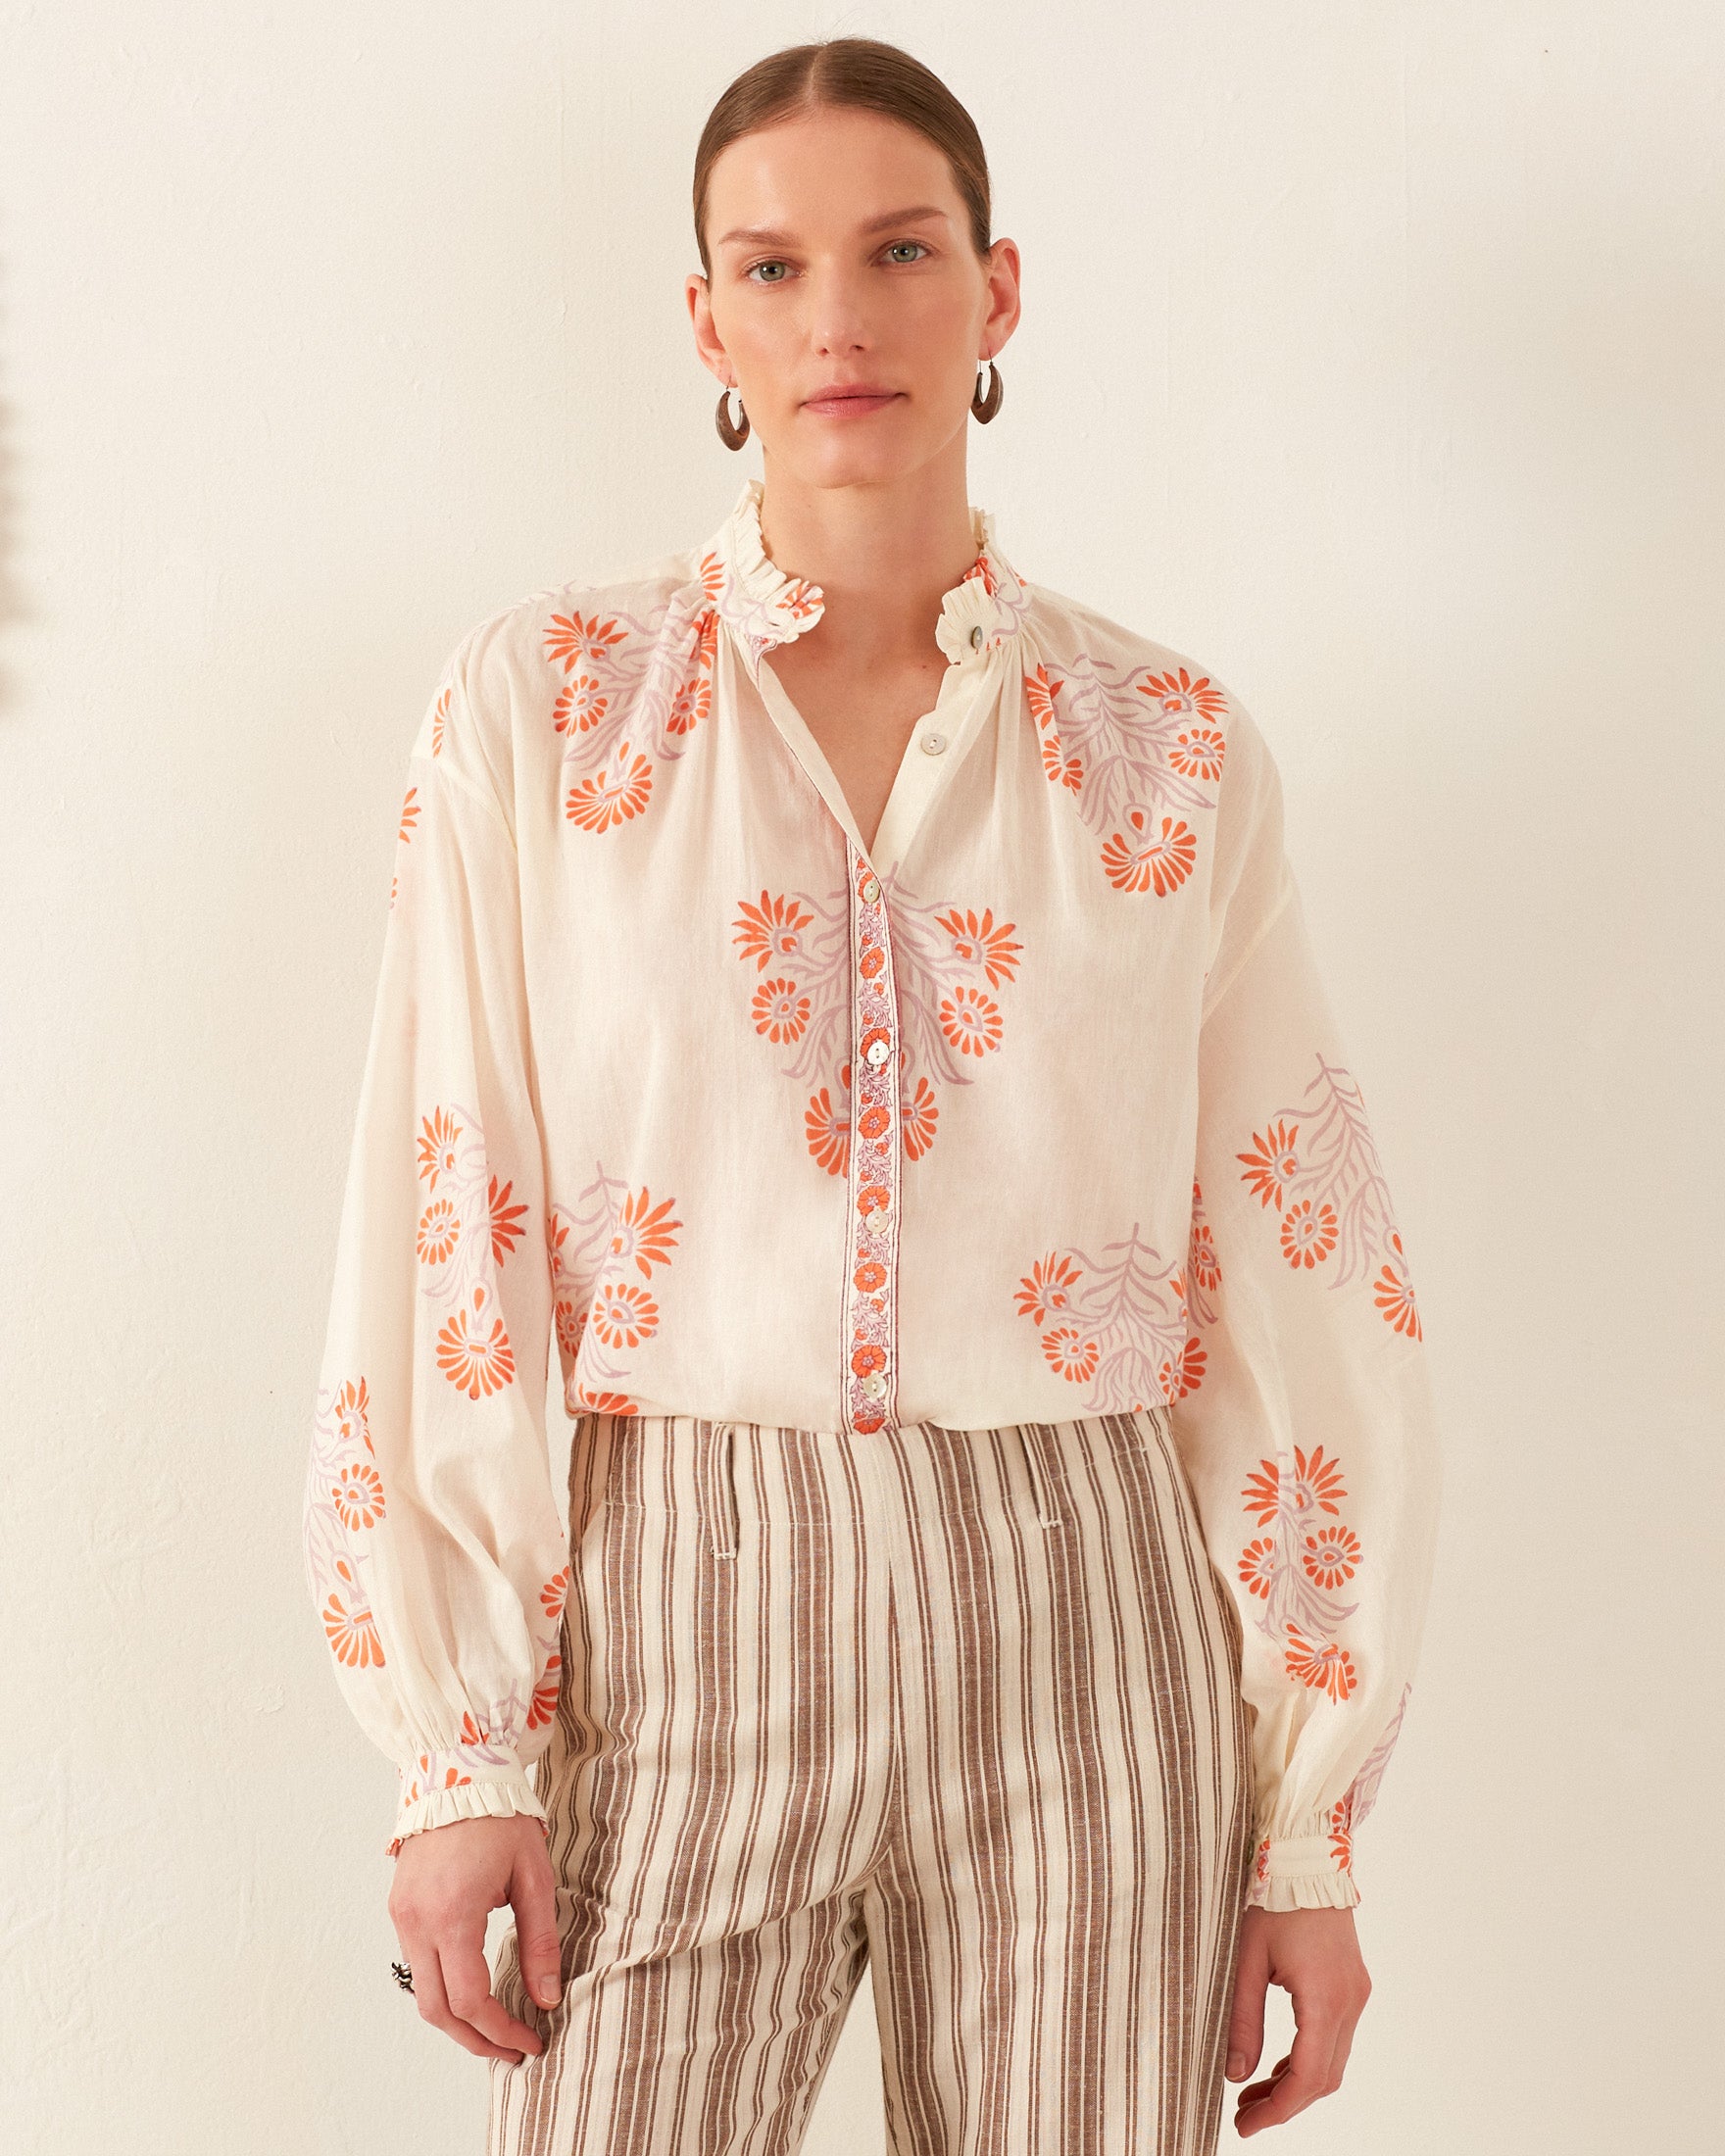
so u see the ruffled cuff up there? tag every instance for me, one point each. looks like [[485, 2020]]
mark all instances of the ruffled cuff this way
[[433, 1794], [1310, 1866]]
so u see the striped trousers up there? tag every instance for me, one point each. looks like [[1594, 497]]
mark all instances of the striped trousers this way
[[960, 1707]]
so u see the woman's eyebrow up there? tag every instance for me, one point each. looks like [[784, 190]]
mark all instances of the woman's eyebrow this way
[[764, 235]]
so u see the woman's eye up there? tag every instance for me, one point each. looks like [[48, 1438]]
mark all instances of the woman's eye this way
[[775, 264]]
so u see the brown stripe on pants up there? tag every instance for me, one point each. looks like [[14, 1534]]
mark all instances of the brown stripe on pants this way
[[961, 1707]]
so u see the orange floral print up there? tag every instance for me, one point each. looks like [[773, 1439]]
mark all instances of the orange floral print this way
[[643, 1233], [599, 1316], [1322, 1664], [506, 1219], [1258, 1566], [439, 1232], [1329, 1189], [1140, 754], [971, 1020], [779, 1011], [1203, 1274], [1332, 1556], [439, 720], [439, 1134], [546, 1692], [773, 930], [410, 815], [351, 1632], [828, 1127], [1040, 692], [580, 703], [977, 941], [1309, 1232], [692, 698], [1148, 856], [624, 1315], [634, 692], [1047, 1288], [575, 640], [474, 1351], [472, 1224], [617, 792], [358, 1494], [1393, 1292], [1272, 1166], [943, 954], [605, 1404], [1119, 1324], [917, 1116], [1296, 1568]]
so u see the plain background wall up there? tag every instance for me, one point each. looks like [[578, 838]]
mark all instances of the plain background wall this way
[[1372, 353]]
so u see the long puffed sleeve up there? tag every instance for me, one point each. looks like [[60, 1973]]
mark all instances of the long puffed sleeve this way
[[436, 1554], [1306, 1425]]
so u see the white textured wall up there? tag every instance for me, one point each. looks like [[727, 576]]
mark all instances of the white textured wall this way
[[1372, 353]]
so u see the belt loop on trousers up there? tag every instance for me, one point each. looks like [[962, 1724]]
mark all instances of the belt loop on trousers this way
[[721, 1486], [1030, 1438]]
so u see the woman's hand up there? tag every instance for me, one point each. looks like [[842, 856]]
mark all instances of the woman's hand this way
[[1313, 1955], [447, 1882]]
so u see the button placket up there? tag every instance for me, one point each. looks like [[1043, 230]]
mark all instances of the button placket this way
[[870, 1346]]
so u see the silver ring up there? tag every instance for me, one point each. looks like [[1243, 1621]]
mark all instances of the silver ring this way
[[404, 1976]]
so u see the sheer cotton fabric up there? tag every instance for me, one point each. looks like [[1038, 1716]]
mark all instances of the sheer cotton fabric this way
[[1035, 1109]]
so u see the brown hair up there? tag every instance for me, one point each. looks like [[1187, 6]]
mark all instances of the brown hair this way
[[860, 72]]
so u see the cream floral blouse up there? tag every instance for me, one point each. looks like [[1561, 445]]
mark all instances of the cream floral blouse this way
[[1034, 1109]]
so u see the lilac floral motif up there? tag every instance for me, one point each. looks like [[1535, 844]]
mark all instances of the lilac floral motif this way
[[602, 1313], [1118, 1325], [949, 962], [344, 1502], [469, 1222], [494, 1741], [1204, 1267], [1295, 1567], [1141, 752], [1317, 1165], [1362, 1791], [802, 944], [634, 688], [344, 1499]]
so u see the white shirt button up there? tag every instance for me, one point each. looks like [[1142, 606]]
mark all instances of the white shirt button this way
[[976, 637], [934, 743], [877, 1052], [872, 891], [874, 1385]]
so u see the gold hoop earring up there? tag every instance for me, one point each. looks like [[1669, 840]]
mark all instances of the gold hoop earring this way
[[985, 408], [733, 433]]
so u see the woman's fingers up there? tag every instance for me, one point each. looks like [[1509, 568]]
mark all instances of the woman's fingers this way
[[447, 1882], [467, 1980], [1313, 1955], [532, 1895], [1246, 2015], [431, 1996], [1298, 2080]]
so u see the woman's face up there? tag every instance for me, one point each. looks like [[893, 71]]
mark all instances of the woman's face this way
[[841, 252]]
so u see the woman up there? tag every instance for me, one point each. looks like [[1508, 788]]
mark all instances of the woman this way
[[853, 1000]]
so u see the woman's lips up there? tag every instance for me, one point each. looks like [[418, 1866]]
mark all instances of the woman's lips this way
[[842, 407]]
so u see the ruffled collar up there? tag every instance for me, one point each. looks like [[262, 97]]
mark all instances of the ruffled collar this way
[[764, 606]]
